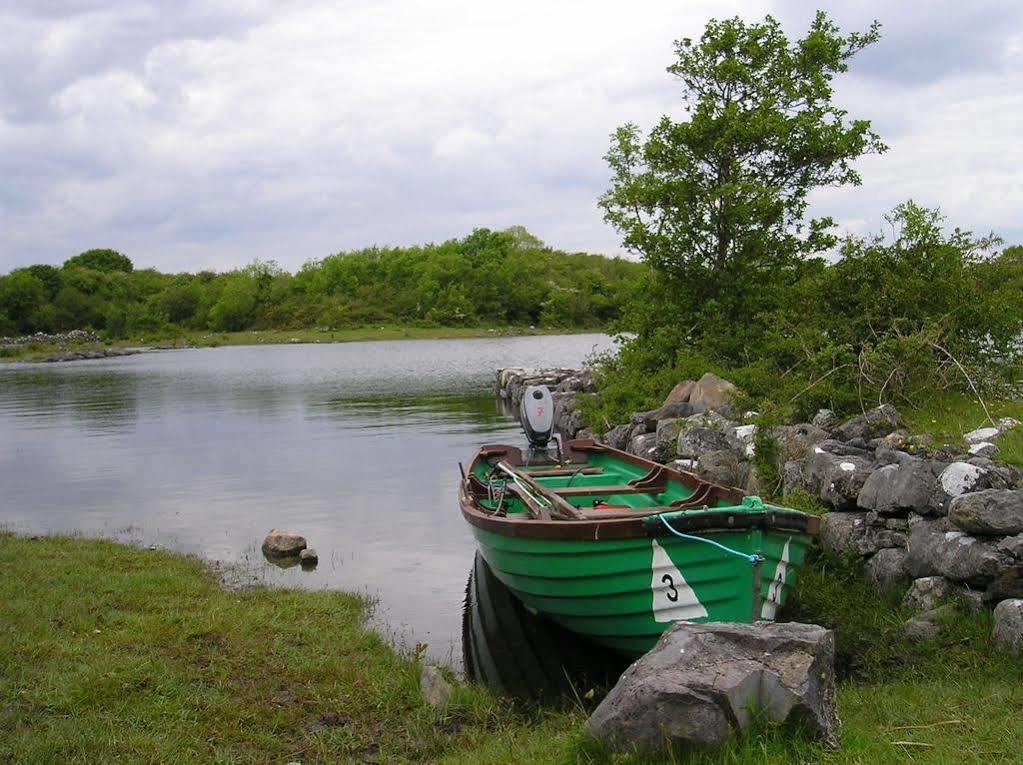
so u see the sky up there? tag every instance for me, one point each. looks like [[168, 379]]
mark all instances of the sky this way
[[204, 134]]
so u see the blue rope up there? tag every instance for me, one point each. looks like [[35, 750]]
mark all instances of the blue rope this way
[[753, 559]]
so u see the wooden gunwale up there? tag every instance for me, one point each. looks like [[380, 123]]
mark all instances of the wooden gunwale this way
[[625, 524]]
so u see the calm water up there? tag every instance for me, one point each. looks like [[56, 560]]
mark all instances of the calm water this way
[[203, 451]]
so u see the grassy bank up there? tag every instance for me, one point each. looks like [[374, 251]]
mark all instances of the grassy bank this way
[[112, 653], [204, 339], [947, 417]]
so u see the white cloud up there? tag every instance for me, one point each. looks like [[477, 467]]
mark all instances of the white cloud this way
[[204, 137]]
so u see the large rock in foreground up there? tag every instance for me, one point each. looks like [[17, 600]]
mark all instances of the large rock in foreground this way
[[703, 682]]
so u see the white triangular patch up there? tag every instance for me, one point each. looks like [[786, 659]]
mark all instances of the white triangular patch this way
[[774, 592], [673, 599]]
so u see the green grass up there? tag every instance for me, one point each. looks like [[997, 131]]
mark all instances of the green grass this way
[[947, 417], [110, 653]]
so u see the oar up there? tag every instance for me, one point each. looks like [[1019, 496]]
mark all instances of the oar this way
[[561, 506]]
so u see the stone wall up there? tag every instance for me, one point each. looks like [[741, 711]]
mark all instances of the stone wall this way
[[931, 520]]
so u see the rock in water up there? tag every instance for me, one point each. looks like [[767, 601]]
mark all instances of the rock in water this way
[[435, 689], [703, 682], [283, 544], [308, 558]]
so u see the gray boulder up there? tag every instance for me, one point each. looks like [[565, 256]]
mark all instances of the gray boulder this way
[[927, 592], [435, 689], [844, 449], [702, 683], [792, 476], [645, 445], [680, 393], [618, 437], [713, 392], [651, 418], [283, 544], [720, 467], [1007, 583], [825, 419], [1008, 627], [667, 433], [842, 532], [927, 626], [1000, 475], [886, 569], [749, 479], [935, 550], [795, 442], [694, 441], [742, 440], [980, 435], [871, 424], [1012, 547], [685, 466], [956, 479], [567, 418], [900, 487], [837, 480], [579, 382], [709, 419], [984, 449], [992, 512]]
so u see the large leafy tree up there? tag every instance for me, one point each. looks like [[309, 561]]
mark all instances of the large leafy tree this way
[[101, 260], [716, 202]]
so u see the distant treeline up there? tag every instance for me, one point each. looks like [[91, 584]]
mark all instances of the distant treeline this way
[[489, 277]]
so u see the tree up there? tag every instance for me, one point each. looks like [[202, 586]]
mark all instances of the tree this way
[[715, 203], [21, 294], [101, 260]]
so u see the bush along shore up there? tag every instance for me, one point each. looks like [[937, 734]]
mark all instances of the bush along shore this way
[[929, 521]]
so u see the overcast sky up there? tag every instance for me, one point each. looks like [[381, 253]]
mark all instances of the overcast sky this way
[[195, 135]]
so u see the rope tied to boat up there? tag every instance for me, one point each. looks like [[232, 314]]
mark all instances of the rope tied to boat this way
[[751, 558]]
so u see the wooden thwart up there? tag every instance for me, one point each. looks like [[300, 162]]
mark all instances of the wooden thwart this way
[[561, 472]]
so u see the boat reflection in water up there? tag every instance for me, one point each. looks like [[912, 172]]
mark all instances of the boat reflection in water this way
[[516, 652]]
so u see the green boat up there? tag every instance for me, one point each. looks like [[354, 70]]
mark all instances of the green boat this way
[[616, 548]]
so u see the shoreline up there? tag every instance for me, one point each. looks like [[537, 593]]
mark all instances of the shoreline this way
[[127, 652], [33, 353]]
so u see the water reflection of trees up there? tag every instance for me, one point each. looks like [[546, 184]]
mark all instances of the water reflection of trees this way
[[478, 410], [105, 400]]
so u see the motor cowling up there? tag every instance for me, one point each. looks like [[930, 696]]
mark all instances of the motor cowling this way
[[536, 413]]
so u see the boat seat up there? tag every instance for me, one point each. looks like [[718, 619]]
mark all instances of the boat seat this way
[[561, 472], [594, 491], [597, 514]]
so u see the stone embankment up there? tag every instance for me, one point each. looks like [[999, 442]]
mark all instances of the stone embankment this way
[[76, 337], [932, 521]]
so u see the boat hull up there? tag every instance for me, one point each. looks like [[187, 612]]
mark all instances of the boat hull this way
[[623, 593]]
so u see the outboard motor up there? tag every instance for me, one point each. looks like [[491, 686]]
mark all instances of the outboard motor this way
[[536, 413]]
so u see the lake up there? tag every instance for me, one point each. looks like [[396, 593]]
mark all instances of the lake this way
[[356, 446]]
